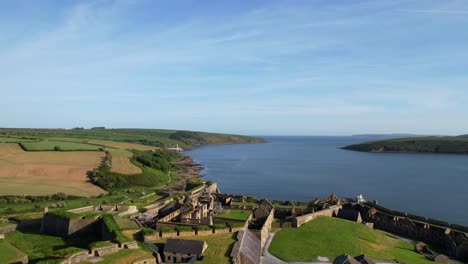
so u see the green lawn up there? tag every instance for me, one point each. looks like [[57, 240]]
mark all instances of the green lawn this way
[[219, 247], [50, 145], [8, 253], [233, 215], [331, 237], [38, 246]]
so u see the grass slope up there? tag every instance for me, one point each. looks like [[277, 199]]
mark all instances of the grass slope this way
[[38, 246], [456, 145], [331, 237], [8, 253]]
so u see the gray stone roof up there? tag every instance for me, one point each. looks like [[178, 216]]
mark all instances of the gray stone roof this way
[[185, 246], [364, 259], [345, 259]]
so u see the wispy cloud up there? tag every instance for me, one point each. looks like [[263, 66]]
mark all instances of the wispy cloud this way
[[299, 62]]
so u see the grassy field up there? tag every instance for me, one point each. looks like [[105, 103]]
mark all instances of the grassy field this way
[[121, 145], [331, 237], [63, 145], [38, 246], [43, 173], [9, 253], [219, 247], [233, 215]]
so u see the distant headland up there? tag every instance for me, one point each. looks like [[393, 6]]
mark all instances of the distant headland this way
[[429, 144]]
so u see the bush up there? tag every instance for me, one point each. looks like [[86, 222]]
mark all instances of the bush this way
[[148, 231], [201, 228], [183, 228]]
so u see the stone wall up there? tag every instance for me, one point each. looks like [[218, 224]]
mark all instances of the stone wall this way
[[103, 251], [453, 243], [8, 229], [77, 258], [82, 209], [54, 225], [170, 216], [146, 261], [300, 220]]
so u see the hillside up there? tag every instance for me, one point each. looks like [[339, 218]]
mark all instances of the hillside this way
[[453, 145], [150, 137]]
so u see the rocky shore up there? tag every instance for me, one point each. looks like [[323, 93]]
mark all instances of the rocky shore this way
[[187, 168]]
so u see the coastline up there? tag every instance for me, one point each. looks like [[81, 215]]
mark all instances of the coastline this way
[[187, 168]]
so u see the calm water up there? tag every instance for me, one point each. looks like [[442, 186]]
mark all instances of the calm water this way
[[301, 168]]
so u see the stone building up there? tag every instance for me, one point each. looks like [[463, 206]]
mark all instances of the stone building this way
[[182, 250], [347, 259]]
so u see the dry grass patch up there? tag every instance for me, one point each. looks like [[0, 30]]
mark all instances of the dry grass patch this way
[[121, 145], [122, 165], [43, 173]]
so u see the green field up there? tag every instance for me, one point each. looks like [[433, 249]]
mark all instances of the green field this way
[[63, 145], [8, 253], [219, 247], [233, 215], [331, 237]]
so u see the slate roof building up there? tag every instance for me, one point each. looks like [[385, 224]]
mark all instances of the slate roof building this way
[[182, 250], [347, 259]]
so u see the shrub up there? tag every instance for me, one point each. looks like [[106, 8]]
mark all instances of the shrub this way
[[148, 231], [202, 228], [183, 228]]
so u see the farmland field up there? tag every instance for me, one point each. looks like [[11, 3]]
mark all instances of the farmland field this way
[[43, 173], [63, 145], [13, 139], [121, 145], [123, 165]]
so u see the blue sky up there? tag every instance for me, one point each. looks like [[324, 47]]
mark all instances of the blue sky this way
[[251, 67]]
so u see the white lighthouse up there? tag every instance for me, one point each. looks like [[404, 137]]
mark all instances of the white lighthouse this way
[[360, 198]]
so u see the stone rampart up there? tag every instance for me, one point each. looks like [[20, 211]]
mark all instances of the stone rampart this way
[[82, 209], [300, 220], [55, 225], [453, 242], [83, 226]]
